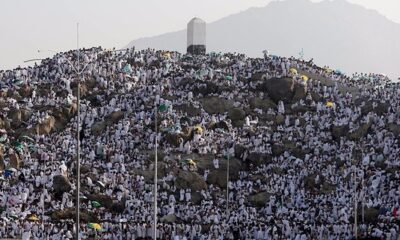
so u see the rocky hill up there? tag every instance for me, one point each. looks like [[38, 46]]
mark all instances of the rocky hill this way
[[293, 134]]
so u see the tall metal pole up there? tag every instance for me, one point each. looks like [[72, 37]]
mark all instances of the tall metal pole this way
[[355, 206], [78, 161], [227, 185], [155, 177]]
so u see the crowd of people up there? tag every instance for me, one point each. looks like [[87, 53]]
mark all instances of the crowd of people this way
[[296, 174]]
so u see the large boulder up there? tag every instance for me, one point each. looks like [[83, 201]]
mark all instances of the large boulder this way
[[237, 116], [70, 213], [280, 119], [339, 131], [173, 139], [361, 132], [189, 109], [206, 88], [192, 180], [284, 89], [239, 150], [260, 103], [61, 184], [2, 163], [110, 120], [46, 127], [215, 105], [394, 128], [258, 159], [104, 200], [259, 199], [16, 118], [15, 161], [168, 219], [278, 149]]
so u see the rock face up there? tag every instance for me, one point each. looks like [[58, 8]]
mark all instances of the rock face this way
[[61, 184], [190, 180], [283, 89]]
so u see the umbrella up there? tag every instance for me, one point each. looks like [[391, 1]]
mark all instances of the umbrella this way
[[94, 226], [96, 204], [293, 70], [167, 55], [18, 82], [7, 173], [163, 108], [338, 71], [190, 161], [329, 104], [101, 184], [198, 129], [12, 169], [27, 138], [33, 218], [304, 77], [229, 78]]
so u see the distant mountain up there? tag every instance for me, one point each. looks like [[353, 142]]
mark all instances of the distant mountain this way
[[335, 33]]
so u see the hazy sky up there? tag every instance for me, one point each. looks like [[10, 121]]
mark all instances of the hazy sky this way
[[28, 25]]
